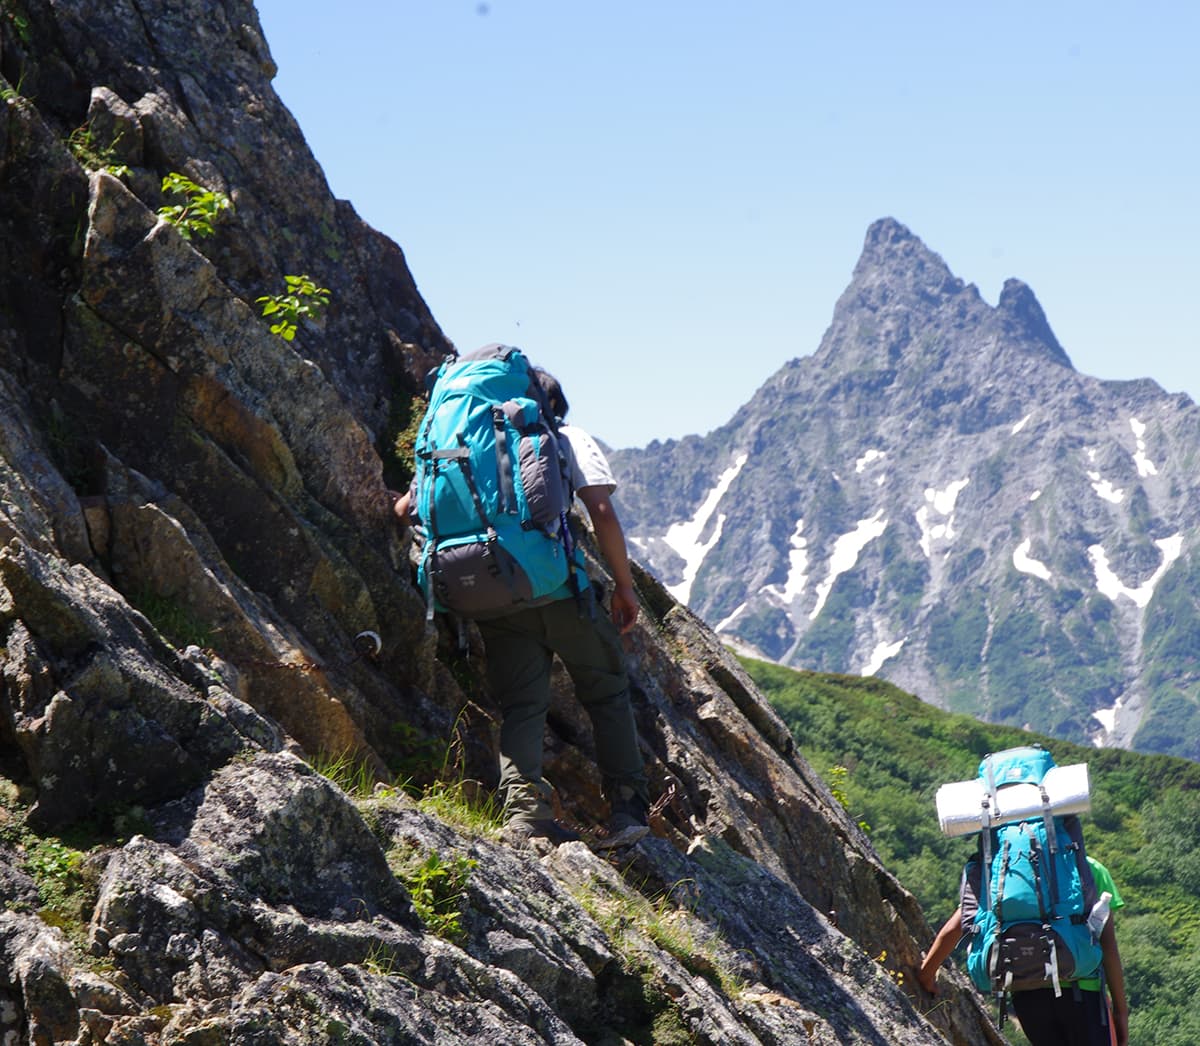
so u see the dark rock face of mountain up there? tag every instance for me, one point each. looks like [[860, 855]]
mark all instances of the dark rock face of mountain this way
[[194, 528], [936, 496]]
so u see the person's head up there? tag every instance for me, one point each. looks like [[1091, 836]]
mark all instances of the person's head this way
[[552, 391]]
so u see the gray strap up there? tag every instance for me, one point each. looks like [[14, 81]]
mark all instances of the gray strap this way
[[999, 906], [1052, 841], [504, 463], [989, 810], [985, 870]]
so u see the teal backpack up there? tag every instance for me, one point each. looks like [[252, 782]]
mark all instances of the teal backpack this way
[[1031, 889], [492, 490]]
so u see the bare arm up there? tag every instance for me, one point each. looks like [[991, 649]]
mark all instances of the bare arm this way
[[401, 504], [939, 951], [611, 539], [1114, 976]]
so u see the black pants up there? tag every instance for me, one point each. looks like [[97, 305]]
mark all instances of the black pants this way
[[1076, 1018]]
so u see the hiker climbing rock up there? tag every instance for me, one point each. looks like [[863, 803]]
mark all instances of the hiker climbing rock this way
[[496, 471]]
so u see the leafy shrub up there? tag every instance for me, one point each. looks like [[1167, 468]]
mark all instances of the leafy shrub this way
[[200, 211], [438, 887], [303, 300]]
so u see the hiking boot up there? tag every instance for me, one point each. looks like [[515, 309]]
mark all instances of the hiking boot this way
[[541, 835], [627, 823]]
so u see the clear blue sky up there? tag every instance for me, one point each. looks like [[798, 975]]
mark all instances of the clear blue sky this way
[[661, 201]]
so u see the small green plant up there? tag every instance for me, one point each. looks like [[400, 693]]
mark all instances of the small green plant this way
[[438, 887], [54, 867], [66, 887], [380, 960], [8, 93], [202, 208], [177, 622], [420, 757], [837, 785], [404, 424], [304, 300], [351, 772], [18, 21], [627, 917], [449, 794], [465, 805], [94, 156]]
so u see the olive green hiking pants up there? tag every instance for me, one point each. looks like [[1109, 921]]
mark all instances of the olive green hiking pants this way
[[520, 653]]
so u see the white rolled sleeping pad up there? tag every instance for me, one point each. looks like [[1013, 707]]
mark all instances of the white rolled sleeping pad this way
[[960, 805]]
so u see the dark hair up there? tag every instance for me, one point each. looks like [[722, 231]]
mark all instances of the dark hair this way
[[552, 391]]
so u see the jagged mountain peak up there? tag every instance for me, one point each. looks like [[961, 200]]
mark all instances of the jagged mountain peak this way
[[905, 308], [893, 253], [939, 497]]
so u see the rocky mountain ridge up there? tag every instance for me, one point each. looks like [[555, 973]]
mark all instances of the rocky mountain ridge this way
[[938, 497], [194, 536]]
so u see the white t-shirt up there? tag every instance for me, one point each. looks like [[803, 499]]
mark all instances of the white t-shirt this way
[[589, 466]]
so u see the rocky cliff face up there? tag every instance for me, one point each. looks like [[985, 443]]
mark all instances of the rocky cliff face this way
[[193, 530], [938, 497]]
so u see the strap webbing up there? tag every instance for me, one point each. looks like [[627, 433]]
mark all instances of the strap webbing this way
[[1052, 840], [999, 904], [504, 464], [1052, 966]]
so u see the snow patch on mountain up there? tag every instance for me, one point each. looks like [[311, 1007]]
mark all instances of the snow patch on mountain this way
[[938, 503], [728, 622], [1025, 563], [1107, 718], [1105, 489], [1111, 586], [1145, 467], [797, 578], [846, 550], [870, 456], [879, 655], [684, 538]]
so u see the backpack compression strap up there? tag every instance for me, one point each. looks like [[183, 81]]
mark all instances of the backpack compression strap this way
[[1037, 859], [1052, 840], [986, 819], [504, 466]]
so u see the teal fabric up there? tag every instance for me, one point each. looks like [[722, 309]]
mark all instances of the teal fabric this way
[[490, 488]]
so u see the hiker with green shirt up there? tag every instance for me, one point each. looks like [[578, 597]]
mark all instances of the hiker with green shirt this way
[[1078, 1016]]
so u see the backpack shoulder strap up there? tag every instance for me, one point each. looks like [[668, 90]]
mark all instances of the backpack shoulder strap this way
[[1074, 829]]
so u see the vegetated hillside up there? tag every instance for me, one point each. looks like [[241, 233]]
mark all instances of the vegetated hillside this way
[[937, 497], [886, 753], [227, 815]]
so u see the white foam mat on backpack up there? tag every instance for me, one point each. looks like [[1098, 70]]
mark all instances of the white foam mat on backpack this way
[[960, 804]]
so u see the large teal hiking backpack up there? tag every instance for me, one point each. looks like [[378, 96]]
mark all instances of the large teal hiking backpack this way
[[492, 489], [1031, 888]]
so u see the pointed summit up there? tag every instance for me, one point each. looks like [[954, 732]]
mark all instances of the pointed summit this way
[[1022, 315], [903, 300], [899, 286], [893, 255]]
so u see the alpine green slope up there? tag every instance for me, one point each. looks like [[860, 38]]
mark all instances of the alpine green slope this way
[[884, 752]]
